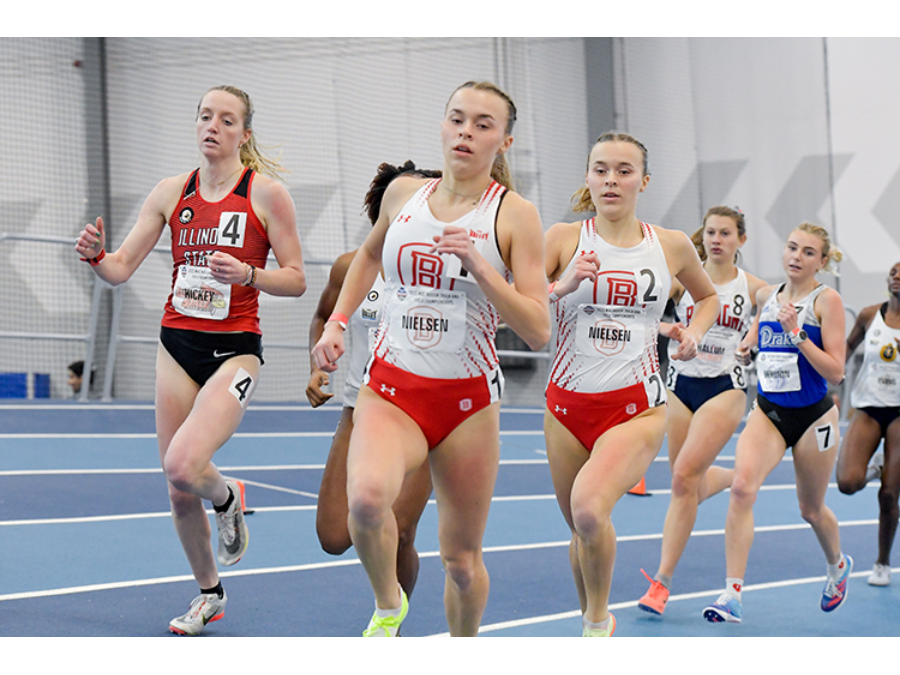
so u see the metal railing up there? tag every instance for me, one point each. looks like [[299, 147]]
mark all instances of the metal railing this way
[[89, 338]]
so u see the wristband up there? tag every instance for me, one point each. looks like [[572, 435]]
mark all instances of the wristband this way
[[93, 262], [340, 318], [251, 276], [553, 296]]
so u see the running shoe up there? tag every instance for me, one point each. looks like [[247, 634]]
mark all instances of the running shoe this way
[[881, 575], [388, 626], [655, 599], [205, 608], [727, 609], [876, 466], [233, 532], [607, 632], [836, 590]]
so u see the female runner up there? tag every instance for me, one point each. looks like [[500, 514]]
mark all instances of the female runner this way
[[224, 218], [707, 395], [606, 417], [876, 398], [449, 249], [331, 513], [800, 332]]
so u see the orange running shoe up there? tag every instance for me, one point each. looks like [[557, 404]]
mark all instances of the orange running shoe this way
[[655, 599]]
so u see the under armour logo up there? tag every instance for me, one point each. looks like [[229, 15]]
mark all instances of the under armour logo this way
[[561, 410], [388, 390]]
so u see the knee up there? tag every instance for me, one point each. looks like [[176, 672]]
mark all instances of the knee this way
[[333, 541], [743, 492], [367, 506], [462, 568], [685, 484], [589, 520], [812, 513], [849, 485], [180, 473]]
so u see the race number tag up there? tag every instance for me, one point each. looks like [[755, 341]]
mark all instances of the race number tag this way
[[429, 319], [195, 293], [778, 372], [610, 331], [232, 226], [242, 387], [825, 437]]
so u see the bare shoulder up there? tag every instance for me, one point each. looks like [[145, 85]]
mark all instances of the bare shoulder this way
[[165, 196], [754, 284], [397, 193]]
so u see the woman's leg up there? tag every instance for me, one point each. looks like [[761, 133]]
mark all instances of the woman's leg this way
[[710, 428], [464, 470]]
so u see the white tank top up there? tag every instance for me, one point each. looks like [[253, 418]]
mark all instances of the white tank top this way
[[878, 381], [362, 328], [715, 353], [606, 332], [437, 322]]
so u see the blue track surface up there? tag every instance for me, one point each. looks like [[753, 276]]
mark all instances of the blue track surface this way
[[89, 548]]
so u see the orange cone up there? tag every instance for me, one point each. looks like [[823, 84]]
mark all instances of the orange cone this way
[[243, 489], [640, 489]]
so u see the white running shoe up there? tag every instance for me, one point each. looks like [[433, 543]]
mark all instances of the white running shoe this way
[[205, 608], [233, 532], [876, 466], [881, 575]]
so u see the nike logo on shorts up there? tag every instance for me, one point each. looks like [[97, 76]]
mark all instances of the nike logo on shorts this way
[[217, 355]]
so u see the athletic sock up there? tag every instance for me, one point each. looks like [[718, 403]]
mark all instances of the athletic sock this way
[[600, 625], [665, 580], [733, 587], [224, 507], [217, 589], [834, 571]]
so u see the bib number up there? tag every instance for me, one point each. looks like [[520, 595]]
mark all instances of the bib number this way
[[778, 372], [196, 294]]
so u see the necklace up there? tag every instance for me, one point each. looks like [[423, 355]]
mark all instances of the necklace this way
[[221, 182], [474, 195]]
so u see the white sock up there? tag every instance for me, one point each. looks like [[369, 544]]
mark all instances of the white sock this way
[[601, 625], [835, 571], [733, 587]]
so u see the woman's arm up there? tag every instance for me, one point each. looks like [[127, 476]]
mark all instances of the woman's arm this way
[[319, 378], [830, 359], [117, 267], [685, 266], [858, 332], [524, 305]]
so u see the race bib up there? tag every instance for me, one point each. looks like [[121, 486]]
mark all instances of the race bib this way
[[428, 319], [719, 343], [778, 372], [196, 294], [610, 331]]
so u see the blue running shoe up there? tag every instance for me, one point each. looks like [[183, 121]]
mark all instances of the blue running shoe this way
[[836, 590], [726, 609]]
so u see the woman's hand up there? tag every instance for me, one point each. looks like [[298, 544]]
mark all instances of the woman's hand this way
[[226, 269], [91, 240], [587, 266]]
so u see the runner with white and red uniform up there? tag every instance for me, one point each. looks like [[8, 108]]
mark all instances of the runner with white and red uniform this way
[[449, 250], [223, 217], [332, 509], [605, 419], [708, 394]]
